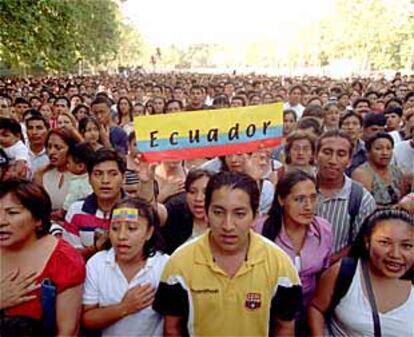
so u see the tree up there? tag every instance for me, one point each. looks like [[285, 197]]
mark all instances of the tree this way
[[54, 35]]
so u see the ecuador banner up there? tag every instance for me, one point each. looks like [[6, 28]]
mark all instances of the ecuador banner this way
[[208, 133]]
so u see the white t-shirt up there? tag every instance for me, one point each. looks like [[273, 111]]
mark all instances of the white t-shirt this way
[[19, 152], [396, 136], [106, 285], [404, 156], [298, 108]]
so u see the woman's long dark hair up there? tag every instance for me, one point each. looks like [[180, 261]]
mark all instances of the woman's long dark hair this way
[[118, 109], [273, 223], [359, 248]]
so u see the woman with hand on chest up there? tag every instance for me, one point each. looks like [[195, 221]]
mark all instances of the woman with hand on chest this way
[[30, 259], [121, 282]]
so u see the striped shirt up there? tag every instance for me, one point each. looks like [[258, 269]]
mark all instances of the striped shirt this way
[[335, 210], [81, 220]]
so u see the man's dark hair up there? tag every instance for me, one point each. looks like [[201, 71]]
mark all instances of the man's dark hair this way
[[35, 117], [393, 110], [175, 101], [371, 93], [408, 96], [361, 100], [63, 98], [82, 153], [342, 95], [350, 114], [20, 100], [196, 87], [294, 87], [31, 112], [34, 97], [240, 98], [101, 100], [105, 154], [388, 93], [233, 180], [335, 133], [309, 122], [374, 119], [396, 101]]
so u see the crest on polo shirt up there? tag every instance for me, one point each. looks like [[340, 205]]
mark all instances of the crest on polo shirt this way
[[253, 301]]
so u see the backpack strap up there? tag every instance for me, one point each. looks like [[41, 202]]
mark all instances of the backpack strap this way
[[354, 203], [343, 281]]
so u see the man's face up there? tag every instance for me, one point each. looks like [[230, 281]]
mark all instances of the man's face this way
[[35, 103], [45, 96], [4, 108], [229, 89], [139, 92], [370, 130], [333, 158], [61, 106], [402, 91], [196, 96], [72, 91], [156, 91], [102, 113], [362, 108], [230, 218], [106, 180], [344, 101], [236, 103], [158, 105], [173, 107], [36, 132], [20, 109], [393, 121], [178, 94], [295, 96], [352, 127]]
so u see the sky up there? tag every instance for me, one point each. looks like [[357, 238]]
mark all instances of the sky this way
[[181, 22]]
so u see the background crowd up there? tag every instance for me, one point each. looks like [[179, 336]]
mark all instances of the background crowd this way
[[336, 197]]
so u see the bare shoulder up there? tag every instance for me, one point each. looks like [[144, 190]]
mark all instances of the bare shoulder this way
[[363, 176]]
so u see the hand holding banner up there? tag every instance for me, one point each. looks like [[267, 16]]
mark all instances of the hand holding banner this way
[[208, 133]]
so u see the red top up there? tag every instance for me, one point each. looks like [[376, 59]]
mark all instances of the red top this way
[[65, 268]]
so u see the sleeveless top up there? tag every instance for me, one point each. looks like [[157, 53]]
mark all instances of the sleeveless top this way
[[353, 315], [51, 180], [383, 194]]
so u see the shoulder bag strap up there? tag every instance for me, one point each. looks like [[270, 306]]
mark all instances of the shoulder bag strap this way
[[371, 298]]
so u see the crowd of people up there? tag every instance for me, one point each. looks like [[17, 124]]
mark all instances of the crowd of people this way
[[314, 237]]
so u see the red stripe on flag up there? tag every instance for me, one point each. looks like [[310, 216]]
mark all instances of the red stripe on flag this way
[[210, 151]]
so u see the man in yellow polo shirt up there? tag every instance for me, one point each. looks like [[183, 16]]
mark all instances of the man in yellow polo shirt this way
[[230, 281]]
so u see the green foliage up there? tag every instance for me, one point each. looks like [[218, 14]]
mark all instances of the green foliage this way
[[376, 34], [54, 35]]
